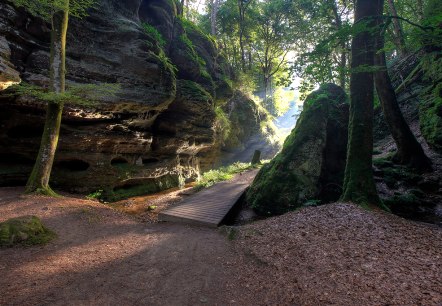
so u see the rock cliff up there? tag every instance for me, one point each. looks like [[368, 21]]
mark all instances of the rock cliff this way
[[157, 132]]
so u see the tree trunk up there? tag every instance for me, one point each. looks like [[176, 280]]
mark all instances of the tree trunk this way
[[409, 150], [39, 179], [343, 45], [359, 186], [213, 16], [266, 88], [398, 36], [241, 9], [182, 8], [420, 10], [343, 67], [256, 159]]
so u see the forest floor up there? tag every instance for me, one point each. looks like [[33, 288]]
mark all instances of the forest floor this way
[[337, 254]]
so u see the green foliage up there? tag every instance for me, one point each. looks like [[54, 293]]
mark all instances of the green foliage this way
[[95, 195], [191, 50], [154, 34], [45, 8], [392, 173], [430, 108], [212, 177], [27, 230], [223, 123], [78, 94], [194, 91]]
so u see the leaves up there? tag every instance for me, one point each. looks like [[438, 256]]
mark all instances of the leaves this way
[[46, 8]]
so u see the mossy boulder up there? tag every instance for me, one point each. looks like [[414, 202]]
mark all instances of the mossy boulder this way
[[312, 162], [26, 230]]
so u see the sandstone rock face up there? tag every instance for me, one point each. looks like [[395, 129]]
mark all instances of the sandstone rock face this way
[[8, 75], [249, 135], [156, 133], [312, 162]]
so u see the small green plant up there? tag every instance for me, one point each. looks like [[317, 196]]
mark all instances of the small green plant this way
[[167, 63], [212, 177], [95, 195], [153, 33], [232, 233]]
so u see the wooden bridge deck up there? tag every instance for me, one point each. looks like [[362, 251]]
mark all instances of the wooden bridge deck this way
[[210, 206]]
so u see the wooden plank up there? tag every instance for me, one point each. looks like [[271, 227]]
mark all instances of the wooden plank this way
[[210, 206]]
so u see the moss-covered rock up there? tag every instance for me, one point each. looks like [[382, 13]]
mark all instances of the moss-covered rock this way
[[141, 186], [27, 230], [312, 162], [250, 129], [430, 109]]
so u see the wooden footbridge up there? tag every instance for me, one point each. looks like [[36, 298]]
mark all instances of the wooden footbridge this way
[[209, 207]]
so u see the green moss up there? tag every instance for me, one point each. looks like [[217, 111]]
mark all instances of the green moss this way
[[385, 161], [223, 124], [189, 48], [194, 92], [167, 71], [402, 202], [142, 187], [430, 108], [392, 174], [27, 230], [154, 35]]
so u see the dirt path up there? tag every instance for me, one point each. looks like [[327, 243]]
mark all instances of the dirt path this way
[[102, 257], [330, 255]]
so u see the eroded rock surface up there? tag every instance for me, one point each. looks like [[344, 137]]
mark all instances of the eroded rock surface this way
[[157, 132]]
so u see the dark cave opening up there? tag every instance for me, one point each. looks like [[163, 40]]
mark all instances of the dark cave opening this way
[[73, 165], [25, 131], [150, 160], [119, 161]]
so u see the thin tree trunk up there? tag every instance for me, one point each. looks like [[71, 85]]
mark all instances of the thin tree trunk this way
[[241, 9], [213, 16], [359, 186], [398, 38], [343, 60], [266, 85], [241, 47], [343, 66], [409, 150], [182, 8], [420, 10], [39, 179]]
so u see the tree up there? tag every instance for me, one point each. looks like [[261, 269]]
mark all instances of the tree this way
[[273, 40], [213, 16], [398, 37], [242, 9], [409, 150], [57, 13], [322, 46], [359, 186]]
